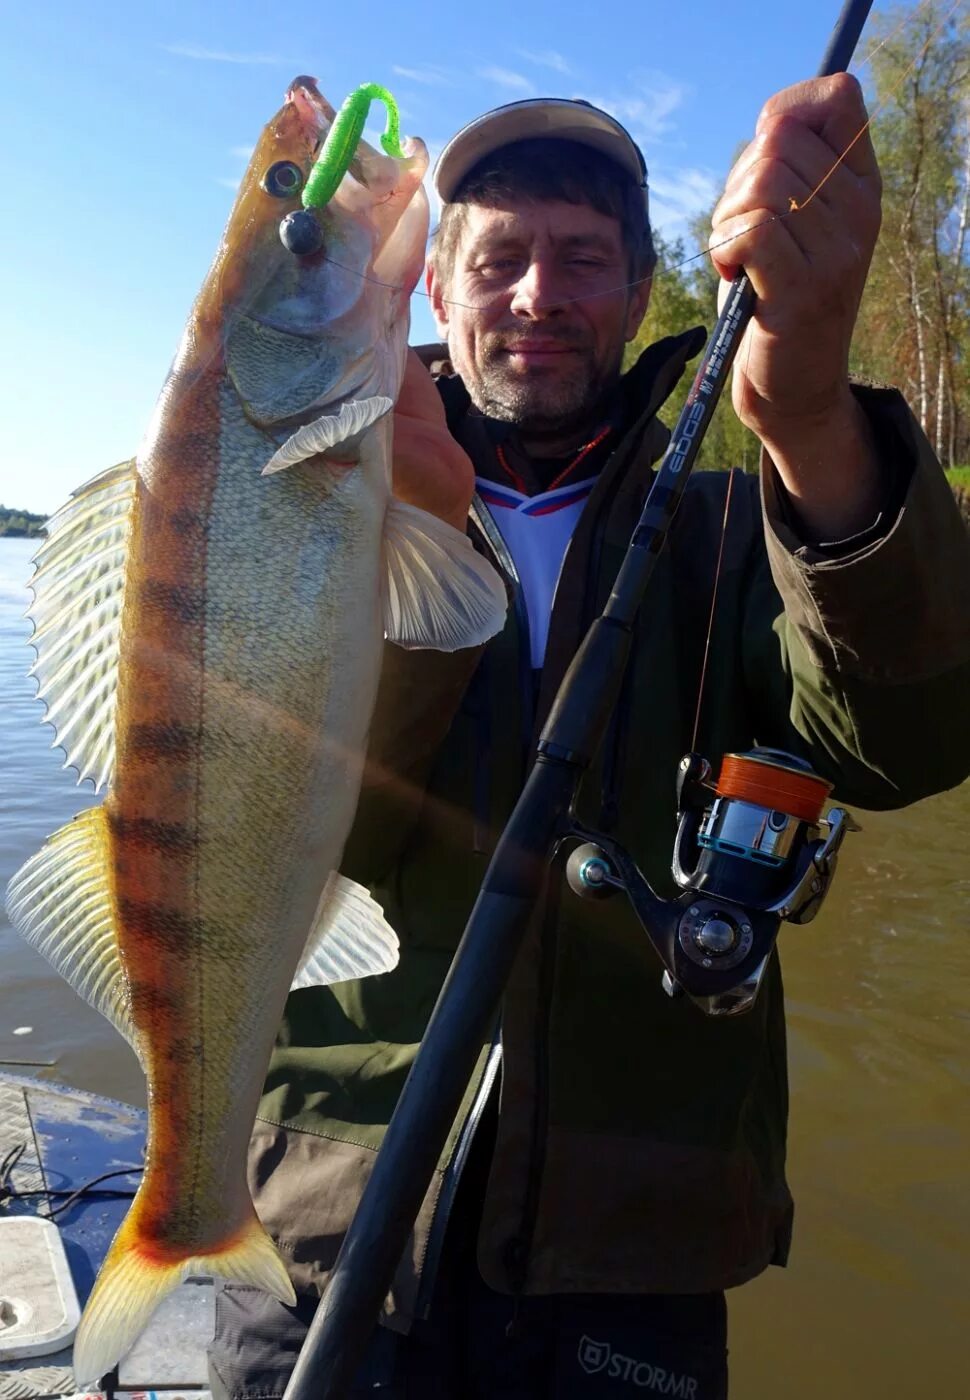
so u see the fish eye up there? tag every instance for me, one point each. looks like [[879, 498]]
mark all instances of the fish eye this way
[[283, 179]]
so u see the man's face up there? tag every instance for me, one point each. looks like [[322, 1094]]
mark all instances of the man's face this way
[[537, 311]]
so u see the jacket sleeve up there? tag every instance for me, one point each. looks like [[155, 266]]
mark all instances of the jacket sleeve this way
[[873, 646], [418, 697]]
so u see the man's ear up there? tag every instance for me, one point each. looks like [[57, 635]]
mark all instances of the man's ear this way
[[436, 297]]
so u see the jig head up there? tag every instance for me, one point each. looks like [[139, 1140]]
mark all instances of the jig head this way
[[300, 231]]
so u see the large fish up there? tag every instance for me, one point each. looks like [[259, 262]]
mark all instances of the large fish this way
[[208, 639]]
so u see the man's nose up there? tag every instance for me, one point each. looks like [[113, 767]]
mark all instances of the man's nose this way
[[539, 292]]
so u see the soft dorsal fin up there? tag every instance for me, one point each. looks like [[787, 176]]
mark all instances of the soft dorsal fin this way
[[61, 902], [437, 591], [78, 589], [350, 937]]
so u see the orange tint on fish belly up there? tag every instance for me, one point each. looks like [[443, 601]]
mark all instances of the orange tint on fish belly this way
[[138, 1233], [152, 811]]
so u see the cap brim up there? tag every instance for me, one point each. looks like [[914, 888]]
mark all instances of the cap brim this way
[[538, 117]]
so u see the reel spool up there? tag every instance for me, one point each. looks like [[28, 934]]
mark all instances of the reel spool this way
[[749, 852], [765, 805]]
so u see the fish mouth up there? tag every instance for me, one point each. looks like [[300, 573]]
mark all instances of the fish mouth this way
[[351, 420], [312, 108]]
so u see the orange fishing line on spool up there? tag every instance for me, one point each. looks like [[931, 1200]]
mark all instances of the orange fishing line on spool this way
[[773, 785]]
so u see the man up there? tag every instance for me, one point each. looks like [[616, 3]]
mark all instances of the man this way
[[619, 1159]]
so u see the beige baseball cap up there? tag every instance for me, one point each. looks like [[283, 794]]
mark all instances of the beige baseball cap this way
[[559, 118]]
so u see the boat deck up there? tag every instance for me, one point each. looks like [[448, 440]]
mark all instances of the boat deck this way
[[54, 1142]]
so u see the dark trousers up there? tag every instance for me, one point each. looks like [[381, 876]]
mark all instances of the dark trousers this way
[[480, 1345], [476, 1344]]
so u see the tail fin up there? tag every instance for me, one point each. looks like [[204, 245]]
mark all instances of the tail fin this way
[[135, 1277]]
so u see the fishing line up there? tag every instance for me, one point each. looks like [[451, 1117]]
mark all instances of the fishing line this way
[[685, 262], [701, 684], [710, 621], [794, 206]]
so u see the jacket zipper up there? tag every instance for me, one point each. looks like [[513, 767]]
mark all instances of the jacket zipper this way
[[450, 1178]]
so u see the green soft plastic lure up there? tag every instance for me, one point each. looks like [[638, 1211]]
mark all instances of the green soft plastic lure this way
[[340, 146]]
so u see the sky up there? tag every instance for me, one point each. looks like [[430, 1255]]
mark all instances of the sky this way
[[127, 128]]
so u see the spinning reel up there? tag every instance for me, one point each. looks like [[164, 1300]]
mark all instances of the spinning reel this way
[[750, 850]]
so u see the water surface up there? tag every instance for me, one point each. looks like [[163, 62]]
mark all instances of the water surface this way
[[876, 1302]]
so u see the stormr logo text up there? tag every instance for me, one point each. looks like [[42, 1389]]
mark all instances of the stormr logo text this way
[[599, 1356]]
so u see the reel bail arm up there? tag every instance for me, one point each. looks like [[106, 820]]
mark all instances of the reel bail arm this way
[[743, 865]]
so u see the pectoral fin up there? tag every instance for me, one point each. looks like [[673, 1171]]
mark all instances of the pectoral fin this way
[[437, 591], [343, 429], [350, 937]]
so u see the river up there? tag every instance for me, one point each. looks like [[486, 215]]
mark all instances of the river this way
[[876, 1301]]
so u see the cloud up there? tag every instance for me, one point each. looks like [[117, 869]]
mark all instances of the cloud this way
[[647, 105], [240, 155], [430, 75], [548, 58], [678, 196], [196, 51], [504, 77]]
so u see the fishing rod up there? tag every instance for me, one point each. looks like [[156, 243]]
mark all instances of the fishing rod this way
[[710, 946]]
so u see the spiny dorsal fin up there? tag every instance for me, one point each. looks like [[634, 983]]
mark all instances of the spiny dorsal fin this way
[[60, 901], [78, 589], [350, 937], [437, 592]]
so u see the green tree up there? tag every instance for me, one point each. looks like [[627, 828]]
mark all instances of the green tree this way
[[914, 324], [20, 522], [684, 294], [914, 327]]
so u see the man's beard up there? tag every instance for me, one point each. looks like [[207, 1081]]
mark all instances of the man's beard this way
[[547, 401]]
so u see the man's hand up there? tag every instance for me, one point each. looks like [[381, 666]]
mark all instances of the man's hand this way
[[808, 269], [430, 469]]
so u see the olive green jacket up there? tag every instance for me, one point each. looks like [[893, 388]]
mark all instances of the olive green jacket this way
[[640, 1144]]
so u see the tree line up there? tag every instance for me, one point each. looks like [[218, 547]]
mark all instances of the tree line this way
[[914, 322], [20, 523]]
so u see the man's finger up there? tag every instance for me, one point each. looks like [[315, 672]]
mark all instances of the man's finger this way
[[790, 146], [764, 246], [833, 108]]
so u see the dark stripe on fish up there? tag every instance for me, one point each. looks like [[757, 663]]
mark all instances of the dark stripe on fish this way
[[171, 838], [148, 925], [181, 602], [186, 519], [163, 741], [159, 924]]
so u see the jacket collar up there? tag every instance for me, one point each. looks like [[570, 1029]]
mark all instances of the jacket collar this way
[[651, 380]]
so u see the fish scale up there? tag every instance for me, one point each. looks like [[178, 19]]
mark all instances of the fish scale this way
[[209, 644]]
